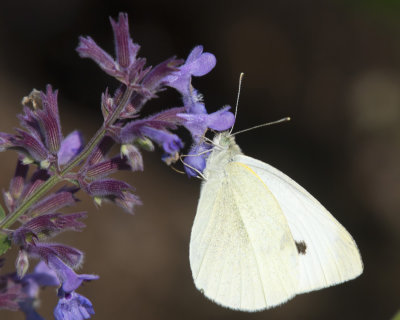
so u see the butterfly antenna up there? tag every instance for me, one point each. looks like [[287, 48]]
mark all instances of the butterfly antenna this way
[[263, 125], [237, 98]]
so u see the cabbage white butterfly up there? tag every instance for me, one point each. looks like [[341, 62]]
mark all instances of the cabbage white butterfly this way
[[259, 238]]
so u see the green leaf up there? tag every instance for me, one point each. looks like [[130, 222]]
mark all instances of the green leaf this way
[[5, 243], [2, 213]]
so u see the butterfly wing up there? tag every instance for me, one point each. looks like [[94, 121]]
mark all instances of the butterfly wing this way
[[328, 253], [242, 254]]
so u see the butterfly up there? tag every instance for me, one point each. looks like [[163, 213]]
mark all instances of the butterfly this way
[[259, 238]]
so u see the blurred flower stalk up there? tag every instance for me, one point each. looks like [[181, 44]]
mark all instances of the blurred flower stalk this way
[[47, 159]]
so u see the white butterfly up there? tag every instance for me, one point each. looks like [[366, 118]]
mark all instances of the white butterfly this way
[[259, 238]]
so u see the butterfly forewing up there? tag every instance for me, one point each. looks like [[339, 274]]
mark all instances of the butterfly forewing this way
[[328, 253], [242, 253]]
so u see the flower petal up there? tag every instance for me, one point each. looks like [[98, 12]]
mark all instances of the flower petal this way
[[71, 146], [196, 159], [197, 124], [73, 306]]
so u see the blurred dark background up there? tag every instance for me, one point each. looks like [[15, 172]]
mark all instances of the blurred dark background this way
[[333, 66]]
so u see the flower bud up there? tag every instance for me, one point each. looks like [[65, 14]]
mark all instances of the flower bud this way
[[22, 263]]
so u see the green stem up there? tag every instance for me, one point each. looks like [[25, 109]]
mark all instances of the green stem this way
[[53, 180]]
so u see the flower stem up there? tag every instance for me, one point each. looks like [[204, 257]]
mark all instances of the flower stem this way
[[53, 180]]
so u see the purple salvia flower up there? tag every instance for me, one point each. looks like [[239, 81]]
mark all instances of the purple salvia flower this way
[[73, 306], [154, 128], [194, 103], [52, 203], [197, 124], [70, 147], [105, 168], [170, 142], [196, 159], [197, 64], [22, 294], [43, 276], [70, 281]]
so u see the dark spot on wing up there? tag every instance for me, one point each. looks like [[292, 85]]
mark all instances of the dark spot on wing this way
[[301, 247]]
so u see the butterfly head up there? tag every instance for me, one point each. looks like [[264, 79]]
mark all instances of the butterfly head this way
[[225, 141]]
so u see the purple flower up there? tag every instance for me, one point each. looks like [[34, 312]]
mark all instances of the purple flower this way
[[197, 64], [170, 142], [71, 146], [73, 306], [22, 294], [69, 280], [197, 124], [42, 276], [196, 159], [40, 138]]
